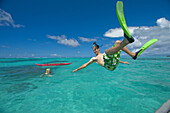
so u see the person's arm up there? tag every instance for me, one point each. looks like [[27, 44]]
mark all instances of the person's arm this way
[[41, 75], [50, 76], [123, 62], [86, 64]]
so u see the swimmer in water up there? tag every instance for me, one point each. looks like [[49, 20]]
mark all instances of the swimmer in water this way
[[47, 73]]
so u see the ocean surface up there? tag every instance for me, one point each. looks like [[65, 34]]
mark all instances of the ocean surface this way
[[140, 87]]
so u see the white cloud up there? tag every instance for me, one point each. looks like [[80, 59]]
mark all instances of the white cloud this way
[[6, 19], [63, 40], [87, 39], [161, 47], [104, 38], [163, 23], [136, 44], [144, 34], [55, 55], [118, 32]]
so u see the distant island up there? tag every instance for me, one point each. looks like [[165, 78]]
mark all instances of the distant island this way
[[168, 56]]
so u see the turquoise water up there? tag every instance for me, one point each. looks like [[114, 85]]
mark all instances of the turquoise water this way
[[140, 87]]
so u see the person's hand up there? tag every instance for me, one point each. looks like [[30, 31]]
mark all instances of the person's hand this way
[[74, 70], [126, 63]]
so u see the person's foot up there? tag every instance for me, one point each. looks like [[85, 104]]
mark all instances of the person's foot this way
[[131, 39], [136, 54]]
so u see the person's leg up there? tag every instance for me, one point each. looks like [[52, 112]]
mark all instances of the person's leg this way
[[117, 48], [125, 49]]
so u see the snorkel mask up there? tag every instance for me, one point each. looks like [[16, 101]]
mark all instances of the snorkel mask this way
[[95, 45]]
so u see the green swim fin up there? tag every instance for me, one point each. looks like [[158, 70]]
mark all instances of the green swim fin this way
[[121, 18], [145, 46]]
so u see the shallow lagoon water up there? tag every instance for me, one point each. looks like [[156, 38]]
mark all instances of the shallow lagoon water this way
[[140, 87]]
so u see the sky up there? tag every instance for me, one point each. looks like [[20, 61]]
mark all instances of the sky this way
[[68, 28]]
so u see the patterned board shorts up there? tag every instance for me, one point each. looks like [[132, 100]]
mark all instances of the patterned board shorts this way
[[111, 61]]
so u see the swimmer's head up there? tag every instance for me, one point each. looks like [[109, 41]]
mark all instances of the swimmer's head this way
[[95, 45], [48, 70], [95, 48]]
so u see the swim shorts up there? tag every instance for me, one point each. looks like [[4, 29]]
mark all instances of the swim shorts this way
[[111, 61]]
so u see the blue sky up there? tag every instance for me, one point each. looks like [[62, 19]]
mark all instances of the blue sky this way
[[67, 28]]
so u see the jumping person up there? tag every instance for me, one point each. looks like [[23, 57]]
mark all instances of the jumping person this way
[[110, 59]]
